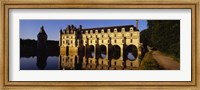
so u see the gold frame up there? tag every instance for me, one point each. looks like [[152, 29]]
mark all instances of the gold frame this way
[[6, 5]]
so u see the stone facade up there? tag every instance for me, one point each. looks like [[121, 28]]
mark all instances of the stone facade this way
[[77, 40]]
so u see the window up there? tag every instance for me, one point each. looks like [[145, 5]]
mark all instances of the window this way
[[115, 41], [102, 31], [108, 30], [131, 29], [131, 40], [123, 29], [67, 42], [91, 31], [115, 30]]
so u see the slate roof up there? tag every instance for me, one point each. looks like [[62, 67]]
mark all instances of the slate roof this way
[[127, 28]]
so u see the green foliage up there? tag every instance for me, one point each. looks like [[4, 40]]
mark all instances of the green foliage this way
[[145, 36], [163, 35]]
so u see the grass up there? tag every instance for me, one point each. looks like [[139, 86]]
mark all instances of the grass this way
[[149, 63]]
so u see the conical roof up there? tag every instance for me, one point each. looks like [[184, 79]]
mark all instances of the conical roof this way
[[42, 32]]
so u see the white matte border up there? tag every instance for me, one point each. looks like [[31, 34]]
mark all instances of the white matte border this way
[[184, 74]]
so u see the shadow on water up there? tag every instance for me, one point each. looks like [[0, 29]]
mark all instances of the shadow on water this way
[[41, 59]]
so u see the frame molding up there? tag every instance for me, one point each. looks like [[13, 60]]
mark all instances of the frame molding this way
[[6, 5]]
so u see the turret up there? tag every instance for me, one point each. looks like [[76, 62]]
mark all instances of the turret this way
[[41, 38], [61, 32]]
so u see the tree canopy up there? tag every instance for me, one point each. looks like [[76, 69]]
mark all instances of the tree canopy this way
[[163, 35]]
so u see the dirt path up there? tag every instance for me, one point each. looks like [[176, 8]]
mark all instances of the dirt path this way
[[165, 62]]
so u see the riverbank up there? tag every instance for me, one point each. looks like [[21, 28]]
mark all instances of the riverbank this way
[[155, 60], [166, 62]]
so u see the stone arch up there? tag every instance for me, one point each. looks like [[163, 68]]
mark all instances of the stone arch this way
[[131, 52], [103, 53], [91, 51]]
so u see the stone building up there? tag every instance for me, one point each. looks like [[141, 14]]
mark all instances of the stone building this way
[[88, 45]]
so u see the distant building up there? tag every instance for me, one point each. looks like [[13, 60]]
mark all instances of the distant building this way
[[42, 38], [76, 40]]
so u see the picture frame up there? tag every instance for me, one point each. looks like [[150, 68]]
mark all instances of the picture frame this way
[[4, 62]]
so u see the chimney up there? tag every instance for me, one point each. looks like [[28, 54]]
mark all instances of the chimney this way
[[137, 24]]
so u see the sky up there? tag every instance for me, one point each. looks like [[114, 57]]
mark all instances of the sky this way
[[30, 28]]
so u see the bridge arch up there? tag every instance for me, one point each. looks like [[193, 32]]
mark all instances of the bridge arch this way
[[103, 51], [91, 51], [131, 52]]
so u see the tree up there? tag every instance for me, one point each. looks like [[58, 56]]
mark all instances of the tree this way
[[164, 35]]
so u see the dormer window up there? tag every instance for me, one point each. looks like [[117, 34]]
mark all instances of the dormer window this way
[[131, 28], [102, 31], [123, 29], [115, 30], [96, 31], [108, 30], [91, 31]]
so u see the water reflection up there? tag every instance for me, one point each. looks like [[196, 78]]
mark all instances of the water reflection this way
[[30, 63], [115, 60], [82, 60], [41, 59]]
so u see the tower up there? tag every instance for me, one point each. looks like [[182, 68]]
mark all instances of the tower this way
[[42, 39]]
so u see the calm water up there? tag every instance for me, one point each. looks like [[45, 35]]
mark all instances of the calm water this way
[[32, 63], [69, 62]]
